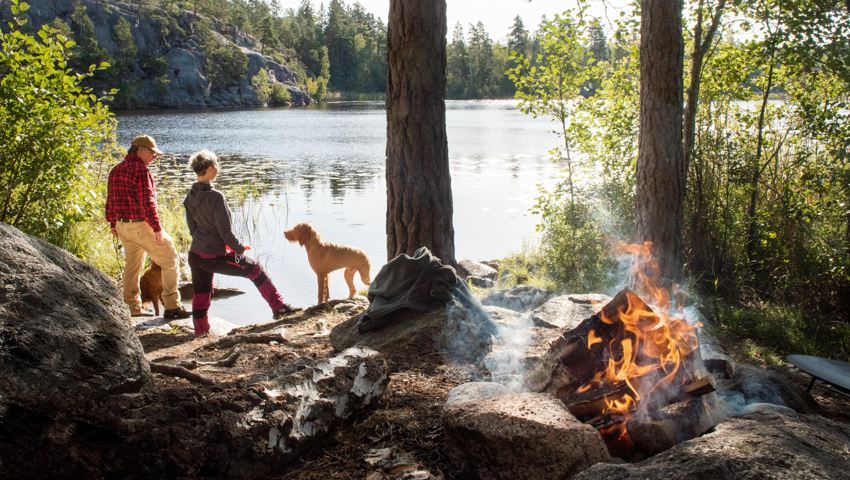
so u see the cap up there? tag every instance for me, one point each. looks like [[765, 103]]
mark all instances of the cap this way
[[146, 141]]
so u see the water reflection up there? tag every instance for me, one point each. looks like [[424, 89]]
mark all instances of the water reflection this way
[[326, 166]]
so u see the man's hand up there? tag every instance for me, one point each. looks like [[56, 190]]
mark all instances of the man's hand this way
[[114, 232], [158, 236]]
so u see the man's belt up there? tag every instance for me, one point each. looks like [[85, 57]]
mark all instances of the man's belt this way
[[131, 220]]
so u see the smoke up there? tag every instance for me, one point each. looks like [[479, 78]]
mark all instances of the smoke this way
[[506, 362]]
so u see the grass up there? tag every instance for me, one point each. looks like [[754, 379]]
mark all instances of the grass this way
[[765, 332], [525, 268], [93, 242]]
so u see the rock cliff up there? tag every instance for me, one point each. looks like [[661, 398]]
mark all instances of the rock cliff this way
[[178, 60]]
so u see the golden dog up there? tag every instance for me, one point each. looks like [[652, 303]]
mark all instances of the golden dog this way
[[150, 286], [325, 257]]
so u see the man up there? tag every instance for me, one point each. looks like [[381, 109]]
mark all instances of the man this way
[[131, 213]]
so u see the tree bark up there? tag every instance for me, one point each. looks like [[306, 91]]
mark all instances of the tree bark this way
[[661, 173], [419, 195]]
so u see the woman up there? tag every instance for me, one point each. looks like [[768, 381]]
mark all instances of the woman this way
[[215, 249]]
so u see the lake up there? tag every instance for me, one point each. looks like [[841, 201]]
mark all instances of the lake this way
[[325, 165]]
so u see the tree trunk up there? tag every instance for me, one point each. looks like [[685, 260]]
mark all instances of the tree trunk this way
[[698, 245], [700, 49], [661, 173], [752, 225], [419, 195]]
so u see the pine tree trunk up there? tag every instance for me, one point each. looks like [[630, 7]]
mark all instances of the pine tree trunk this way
[[419, 195], [661, 173]]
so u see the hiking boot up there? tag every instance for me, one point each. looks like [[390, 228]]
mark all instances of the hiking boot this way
[[142, 313], [283, 311], [174, 313]]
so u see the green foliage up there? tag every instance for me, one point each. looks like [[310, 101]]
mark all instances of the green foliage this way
[[124, 59], [225, 63], [527, 267], [768, 331], [260, 81], [280, 94], [58, 138], [87, 50], [574, 245], [156, 70], [475, 67]]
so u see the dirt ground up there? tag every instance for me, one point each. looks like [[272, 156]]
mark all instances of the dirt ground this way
[[406, 417]]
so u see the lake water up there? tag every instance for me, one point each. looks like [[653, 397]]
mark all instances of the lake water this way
[[325, 165]]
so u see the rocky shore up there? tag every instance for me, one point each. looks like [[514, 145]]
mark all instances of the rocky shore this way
[[172, 63]]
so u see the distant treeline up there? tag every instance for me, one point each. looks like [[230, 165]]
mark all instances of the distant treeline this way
[[345, 46]]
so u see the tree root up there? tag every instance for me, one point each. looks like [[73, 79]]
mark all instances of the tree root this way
[[176, 371], [226, 360], [232, 340]]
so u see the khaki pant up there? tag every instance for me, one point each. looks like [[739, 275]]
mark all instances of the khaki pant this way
[[138, 240]]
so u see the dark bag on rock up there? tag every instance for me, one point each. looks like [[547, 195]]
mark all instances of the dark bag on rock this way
[[419, 282]]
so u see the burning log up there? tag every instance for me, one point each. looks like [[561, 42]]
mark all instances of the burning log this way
[[592, 402], [633, 374]]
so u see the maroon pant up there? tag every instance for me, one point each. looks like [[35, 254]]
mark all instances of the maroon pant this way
[[203, 267]]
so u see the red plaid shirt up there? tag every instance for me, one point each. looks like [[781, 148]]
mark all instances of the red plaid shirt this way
[[131, 193]]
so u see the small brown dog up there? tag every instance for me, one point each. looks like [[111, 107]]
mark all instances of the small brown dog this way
[[150, 286], [325, 257]]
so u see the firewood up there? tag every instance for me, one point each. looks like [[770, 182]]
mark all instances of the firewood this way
[[594, 401], [700, 386]]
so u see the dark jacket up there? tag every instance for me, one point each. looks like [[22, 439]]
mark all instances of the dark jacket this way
[[209, 221]]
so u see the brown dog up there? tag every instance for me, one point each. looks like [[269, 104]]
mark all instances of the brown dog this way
[[325, 257], [150, 286]]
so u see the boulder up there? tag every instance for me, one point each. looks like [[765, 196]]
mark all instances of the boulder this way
[[562, 312], [452, 331], [66, 337], [493, 434], [763, 445], [474, 392], [752, 384], [469, 268], [505, 317], [480, 282], [187, 86], [521, 298]]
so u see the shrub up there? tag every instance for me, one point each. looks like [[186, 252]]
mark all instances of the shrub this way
[[58, 138], [260, 82], [280, 94]]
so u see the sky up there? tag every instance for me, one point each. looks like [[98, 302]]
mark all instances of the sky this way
[[497, 15]]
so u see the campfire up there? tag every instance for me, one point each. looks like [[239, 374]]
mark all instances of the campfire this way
[[633, 370]]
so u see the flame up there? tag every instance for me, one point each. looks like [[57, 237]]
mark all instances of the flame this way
[[648, 356], [593, 339]]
